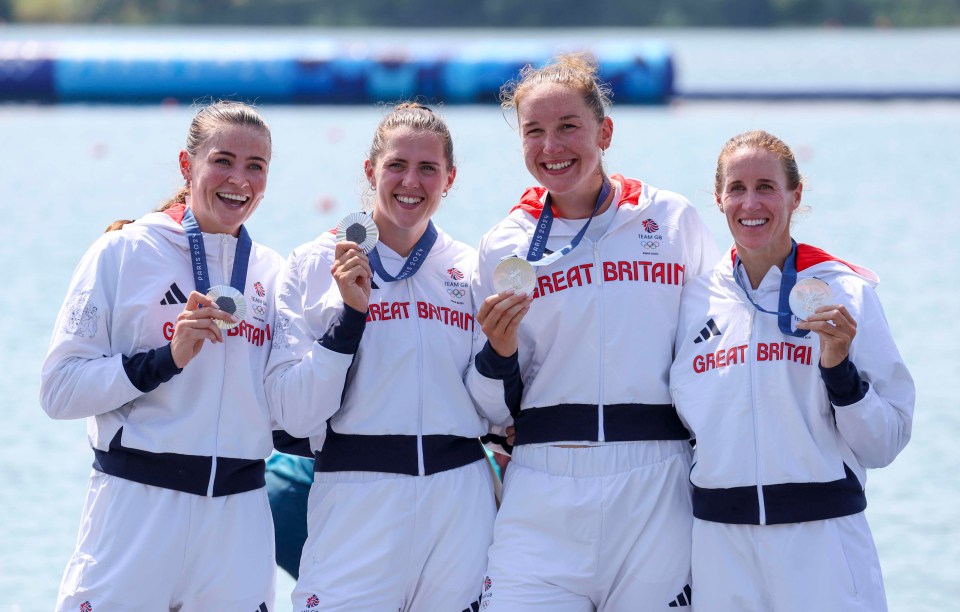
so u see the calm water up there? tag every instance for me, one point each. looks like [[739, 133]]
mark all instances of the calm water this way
[[881, 184]]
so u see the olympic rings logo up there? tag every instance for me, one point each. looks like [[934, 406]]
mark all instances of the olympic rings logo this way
[[457, 293], [649, 244]]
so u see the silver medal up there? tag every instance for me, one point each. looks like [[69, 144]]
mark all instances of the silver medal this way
[[231, 302], [516, 274], [808, 295], [360, 228]]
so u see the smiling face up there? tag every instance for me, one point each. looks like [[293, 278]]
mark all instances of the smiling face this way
[[227, 177], [758, 203], [562, 142], [409, 175]]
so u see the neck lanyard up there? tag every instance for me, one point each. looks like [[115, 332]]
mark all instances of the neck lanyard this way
[[542, 231], [198, 256], [414, 261], [787, 280]]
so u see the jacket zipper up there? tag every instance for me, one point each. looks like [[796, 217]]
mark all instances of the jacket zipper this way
[[601, 437], [420, 469], [223, 379], [756, 413]]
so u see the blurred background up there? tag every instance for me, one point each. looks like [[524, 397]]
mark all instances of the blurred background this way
[[96, 97]]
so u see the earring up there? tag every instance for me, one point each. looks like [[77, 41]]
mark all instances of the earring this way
[[373, 187], [444, 194]]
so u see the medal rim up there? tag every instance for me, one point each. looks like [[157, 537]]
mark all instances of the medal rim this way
[[238, 299], [807, 284], [523, 266], [373, 232]]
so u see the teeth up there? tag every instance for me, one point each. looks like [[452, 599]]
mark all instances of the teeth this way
[[233, 196], [558, 166], [752, 222], [409, 199]]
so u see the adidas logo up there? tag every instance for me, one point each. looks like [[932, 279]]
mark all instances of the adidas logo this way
[[709, 331], [685, 598], [173, 296]]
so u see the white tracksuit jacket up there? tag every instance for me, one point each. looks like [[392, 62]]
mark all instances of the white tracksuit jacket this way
[[203, 430], [382, 391], [606, 347], [779, 439]]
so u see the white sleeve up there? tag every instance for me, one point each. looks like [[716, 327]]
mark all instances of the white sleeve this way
[[492, 381], [878, 424], [314, 345], [82, 375]]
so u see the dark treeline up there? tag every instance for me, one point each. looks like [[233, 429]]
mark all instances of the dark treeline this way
[[490, 13]]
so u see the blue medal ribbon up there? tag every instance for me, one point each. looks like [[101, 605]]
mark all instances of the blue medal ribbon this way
[[542, 231], [787, 281], [198, 255], [414, 261]]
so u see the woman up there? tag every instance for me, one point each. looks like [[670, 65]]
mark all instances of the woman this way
[[786, 421], [596, 504], [176, 516], [371, 365]]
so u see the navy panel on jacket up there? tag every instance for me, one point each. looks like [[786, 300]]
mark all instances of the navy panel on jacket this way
[[186, 473], [621, 423], [395, 454], [784, 503]]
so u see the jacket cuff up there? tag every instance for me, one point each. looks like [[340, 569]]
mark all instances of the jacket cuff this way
[[490, 364], [843, 382], [345, 332], [149, 370]]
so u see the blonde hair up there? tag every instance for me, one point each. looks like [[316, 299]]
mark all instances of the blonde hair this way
[[417, 117], [761, 140], [577, 71]]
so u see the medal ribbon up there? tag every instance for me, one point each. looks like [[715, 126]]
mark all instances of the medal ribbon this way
[[198, 255], [542, 231], [414, 261], [787, 281]]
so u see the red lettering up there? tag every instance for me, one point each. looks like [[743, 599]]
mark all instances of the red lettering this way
[[646, 270], [586, 271], [609, 271], [776, 351], [711, 361], [698, 365], [374, 313], [762, 351], [658, 274], [543, 283], [624, 271], [422, 311], [559, 281], [732, 354], [168, 330], [573, 277]]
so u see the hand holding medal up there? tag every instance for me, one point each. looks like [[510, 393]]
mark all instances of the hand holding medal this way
[[834, 325], [351, 268]]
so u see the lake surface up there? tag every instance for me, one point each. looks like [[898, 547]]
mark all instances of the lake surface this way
[[881, 186]]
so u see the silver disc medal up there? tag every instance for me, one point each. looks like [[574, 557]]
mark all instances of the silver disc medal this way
[[360, 228], [231, 302], [808, 295], [516, 274]]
